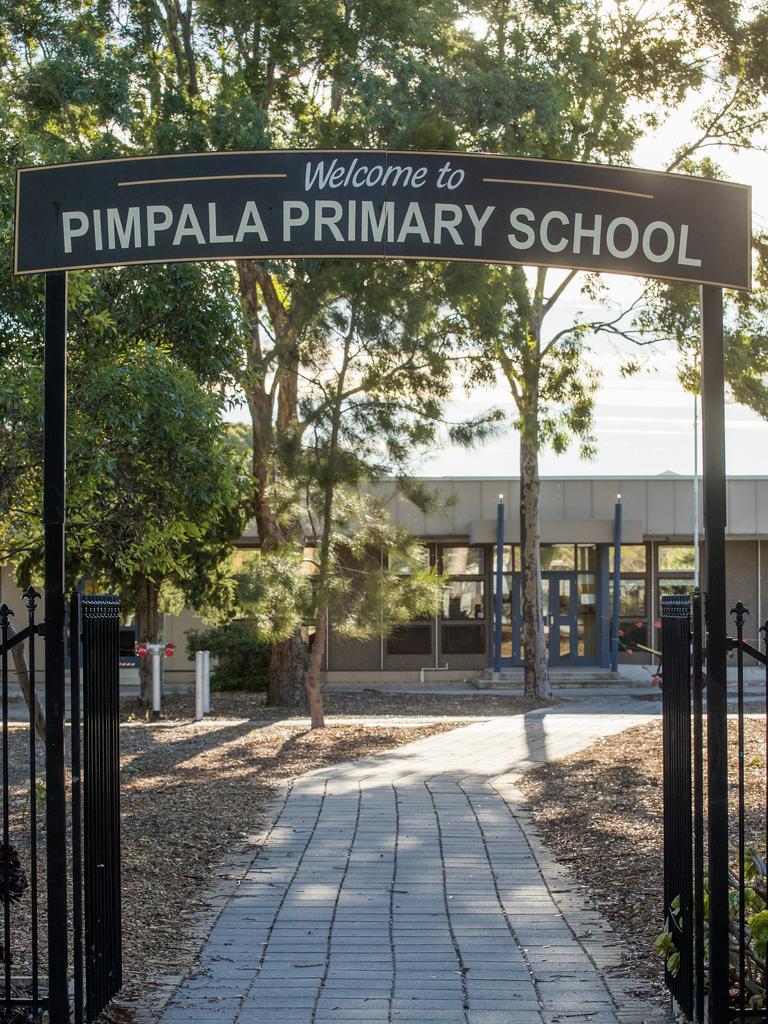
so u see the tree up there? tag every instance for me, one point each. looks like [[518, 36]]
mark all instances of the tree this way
[[157, 493], [381, 372], [282, 75], [600, 75], [370, 399], [561, 80], [672, 311]]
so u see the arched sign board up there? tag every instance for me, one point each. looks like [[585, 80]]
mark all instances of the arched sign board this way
[[382, 204]]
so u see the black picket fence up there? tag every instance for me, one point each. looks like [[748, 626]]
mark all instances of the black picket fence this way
[[92, 818], [23, 959], [691, 973]]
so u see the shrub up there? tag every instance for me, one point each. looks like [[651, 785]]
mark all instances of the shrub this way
[[755, 930], [243, 657]]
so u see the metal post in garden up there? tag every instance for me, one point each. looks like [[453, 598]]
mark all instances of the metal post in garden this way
[[157, 652], [199, 685], [206, 682]]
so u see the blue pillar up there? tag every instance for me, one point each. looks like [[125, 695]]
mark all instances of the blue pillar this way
[[498, 606], [616, 583], [603, 606]]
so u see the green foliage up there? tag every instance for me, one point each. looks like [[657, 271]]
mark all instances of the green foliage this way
[[242, 652], [273, 589], [673, 312], [755, 895], [379, 580]]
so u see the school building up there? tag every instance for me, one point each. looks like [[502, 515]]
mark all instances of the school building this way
[[577, 535]]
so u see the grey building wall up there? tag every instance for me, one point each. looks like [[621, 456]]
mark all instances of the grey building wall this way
[[653, 507]]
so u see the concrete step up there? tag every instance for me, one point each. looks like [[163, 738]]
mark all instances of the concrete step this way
[[561, 678]]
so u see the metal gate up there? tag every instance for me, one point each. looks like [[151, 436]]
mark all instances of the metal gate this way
[[731, 965], [34, 946], [95, 633]]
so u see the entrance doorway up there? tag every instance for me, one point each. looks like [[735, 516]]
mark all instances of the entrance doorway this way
[[569, 606]]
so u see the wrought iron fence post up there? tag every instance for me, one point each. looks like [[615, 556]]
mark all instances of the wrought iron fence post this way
[[32, 597], [5, 621], [678, 820], [739, 612], [697, 680]]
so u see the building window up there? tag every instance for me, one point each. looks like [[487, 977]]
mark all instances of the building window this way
[[633, 635], [469, 639], [633, 599], [558, 558], [671, 586], [464, 599], [510, 558], [412, 639], [463, 561], [676, 558], [586, 557], [675, 571], [406, 567], [633, 558]]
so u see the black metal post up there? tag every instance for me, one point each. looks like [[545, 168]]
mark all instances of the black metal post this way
[[77, 805], [713, 435], [697, 679], [54, 505]]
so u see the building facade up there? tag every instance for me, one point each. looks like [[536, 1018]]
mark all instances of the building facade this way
[[577, 534]]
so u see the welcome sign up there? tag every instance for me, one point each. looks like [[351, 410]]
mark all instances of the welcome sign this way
[[382, 204]]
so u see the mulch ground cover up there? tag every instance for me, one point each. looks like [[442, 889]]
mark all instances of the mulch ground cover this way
[[191, 791], [367, 703], [600, 813]]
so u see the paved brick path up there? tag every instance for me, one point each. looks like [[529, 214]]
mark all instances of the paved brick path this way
[[409, 888]]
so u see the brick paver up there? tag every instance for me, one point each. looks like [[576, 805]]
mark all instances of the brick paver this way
[[409, 889]]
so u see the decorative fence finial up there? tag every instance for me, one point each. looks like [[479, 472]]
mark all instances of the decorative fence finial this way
[[739, 613]]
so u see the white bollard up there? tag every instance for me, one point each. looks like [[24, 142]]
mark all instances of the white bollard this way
[[206, 682], [157, 661], [199, 685]]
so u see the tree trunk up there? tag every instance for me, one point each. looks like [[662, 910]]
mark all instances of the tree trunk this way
[[149, 629], [536, 668], [315, 667], [285, 675]]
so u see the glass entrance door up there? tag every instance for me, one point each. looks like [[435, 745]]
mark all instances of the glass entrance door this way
[[562, 618], [569, 614]]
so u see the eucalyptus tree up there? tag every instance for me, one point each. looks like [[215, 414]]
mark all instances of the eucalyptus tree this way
[[371, 394], [250, 76], [597, 77], [380, 373]]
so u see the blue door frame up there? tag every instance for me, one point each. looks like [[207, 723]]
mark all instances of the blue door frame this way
[[559, 617]]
